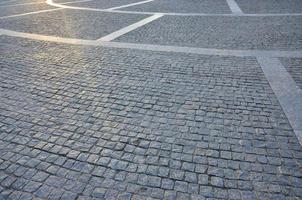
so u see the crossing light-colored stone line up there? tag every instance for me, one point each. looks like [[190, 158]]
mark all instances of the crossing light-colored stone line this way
[[203, 51], [47, 38], [286, 91], [31, 13], [194, 14], [41, 11], [158, 48], [129, 28], [71, 2], [50, 2], [34, 3], [234, 7], [129, 5], [21, 4]]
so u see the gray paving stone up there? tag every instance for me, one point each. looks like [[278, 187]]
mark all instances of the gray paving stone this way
[[181, 186], [99, 192], [217, 181], [31, 186]]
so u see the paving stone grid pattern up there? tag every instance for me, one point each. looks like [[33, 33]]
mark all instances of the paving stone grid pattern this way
[[85, 122], [263, 33], [110, 127]]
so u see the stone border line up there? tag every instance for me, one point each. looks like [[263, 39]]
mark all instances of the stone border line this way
[[21, 4], [40, 11], [113, 9], [129, 5], [129, 28], [153, 47], [234, 7], [288, 93], [31, 13], [50, 2]]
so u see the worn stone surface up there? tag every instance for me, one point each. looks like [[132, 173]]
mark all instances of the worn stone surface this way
[[92, 123]]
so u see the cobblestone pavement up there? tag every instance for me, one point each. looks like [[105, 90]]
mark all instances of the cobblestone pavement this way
[[270, 6], [283, 33], [205, 6], [88, 122]]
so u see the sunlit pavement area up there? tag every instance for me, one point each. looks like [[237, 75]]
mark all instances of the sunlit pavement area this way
[[154, 99]]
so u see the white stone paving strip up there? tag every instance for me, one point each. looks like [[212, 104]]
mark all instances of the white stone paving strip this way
[[234, 7], [33, 3], [21, 4], [50, 2], [129, 28], [194, 14], [151, 47], [42, 11], [129, 5], [47, 38], [203, 51], [31, 13], [71, 2], [286, 90]]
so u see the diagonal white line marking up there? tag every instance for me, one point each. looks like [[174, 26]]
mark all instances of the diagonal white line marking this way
[[286, 91], [129, 28], [31, 13], [234, 7], [71, 2], [42, 11], [32, 3], [21, 4], [128, 5]]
